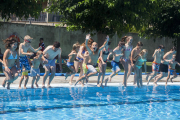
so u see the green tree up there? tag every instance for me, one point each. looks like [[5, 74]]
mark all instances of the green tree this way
[[166, 23], [20, 8], [104, 16]]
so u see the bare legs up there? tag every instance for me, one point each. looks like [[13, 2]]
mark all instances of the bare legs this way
[[102, 70], [159, 77], [111, 76], [35, 79], [72, 68], [152, 75], [47, 71], [138, 76], [174, 76], [126, 65], [10, 77]]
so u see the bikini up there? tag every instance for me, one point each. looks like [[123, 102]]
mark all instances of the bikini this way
[[140, 60], [80, 59], [127, 49], [104, 53], [11, 57]]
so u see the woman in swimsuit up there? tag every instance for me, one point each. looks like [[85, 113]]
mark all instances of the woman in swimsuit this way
[[102, 63], [140, 59], [10, 59], [79, 59], [127, 52]]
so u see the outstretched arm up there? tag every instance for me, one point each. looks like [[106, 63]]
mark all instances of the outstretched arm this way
[[86, 43], [154, 53], [178, 63], [35, 50], [105, 43]]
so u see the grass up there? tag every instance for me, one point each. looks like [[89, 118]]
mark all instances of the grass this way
[[108, 69]]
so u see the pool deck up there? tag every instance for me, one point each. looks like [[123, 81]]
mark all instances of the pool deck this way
[[59, 81]]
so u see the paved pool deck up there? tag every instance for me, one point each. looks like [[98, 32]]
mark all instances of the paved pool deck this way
[[59, 81]]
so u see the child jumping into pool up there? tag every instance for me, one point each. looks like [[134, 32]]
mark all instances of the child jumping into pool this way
[[35, 71], [172, 69], [10, 60], [94, 52], [23, 48], [70, 62], [102, 63], [140, 59], [158, 56], [167, 58], [117, 54]]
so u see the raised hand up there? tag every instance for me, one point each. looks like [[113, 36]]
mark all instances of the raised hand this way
[[88, 36]]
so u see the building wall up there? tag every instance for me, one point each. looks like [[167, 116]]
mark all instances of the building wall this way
[[68, 38]]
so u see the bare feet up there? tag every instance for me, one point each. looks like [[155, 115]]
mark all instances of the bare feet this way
[[82, 85], [36, 85], [4, 83], [66, 76], [106, 80], [98, 85], [171, 80], [166, 84], [32, 87], [8, 85], [70, 83], [155, 84], [25, 87], [43, 86], [148, 82], [48, 86]]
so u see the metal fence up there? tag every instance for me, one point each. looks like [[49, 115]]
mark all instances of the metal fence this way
[[42, 18]]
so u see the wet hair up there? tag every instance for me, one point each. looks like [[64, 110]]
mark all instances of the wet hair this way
[[41, 39], [121, 43], [139, 43], [75, 46], [39, 52], [161, 47], [10, 41], [56, 44], [173, 48]]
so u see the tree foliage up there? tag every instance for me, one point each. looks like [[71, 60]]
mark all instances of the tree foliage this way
[[20, 8], [166, 22], [105, 16]]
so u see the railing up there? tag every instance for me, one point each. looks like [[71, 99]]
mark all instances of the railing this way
[[41, 19]]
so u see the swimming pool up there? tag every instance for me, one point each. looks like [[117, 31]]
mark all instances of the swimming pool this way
[[113, 102]]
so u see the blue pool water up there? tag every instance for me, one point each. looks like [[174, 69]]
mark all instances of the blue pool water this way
[[114, 102]]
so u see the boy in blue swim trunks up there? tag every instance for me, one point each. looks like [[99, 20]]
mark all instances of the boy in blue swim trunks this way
[[172, 69], [117, 54], [70, 62], [23, 48]]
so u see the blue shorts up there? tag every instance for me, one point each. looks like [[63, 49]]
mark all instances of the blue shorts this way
[[80, 59], [171, 71], [34, 72], [23, 61], [115, 66], [69, 64], [50, 63]]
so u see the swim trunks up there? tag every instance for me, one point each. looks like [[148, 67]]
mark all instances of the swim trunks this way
[[171, 70], [23, 61], [69, 64], [155, 66], [85, 69], [91, 68], [34, 72], [115, 66], [50, 63]]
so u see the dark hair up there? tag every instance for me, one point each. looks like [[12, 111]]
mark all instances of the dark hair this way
[[121, 43], [123, 39], [161, 47], [10, 41], [41, 39], [56, 44], [139, 43], [173, 48]]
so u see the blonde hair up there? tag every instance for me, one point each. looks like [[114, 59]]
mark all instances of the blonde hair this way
[[143, 51], [75, 46]]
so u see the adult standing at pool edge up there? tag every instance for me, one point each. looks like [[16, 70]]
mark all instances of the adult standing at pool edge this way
[[49, 54]]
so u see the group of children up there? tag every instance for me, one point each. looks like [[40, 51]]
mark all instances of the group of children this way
[[86, 56]]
